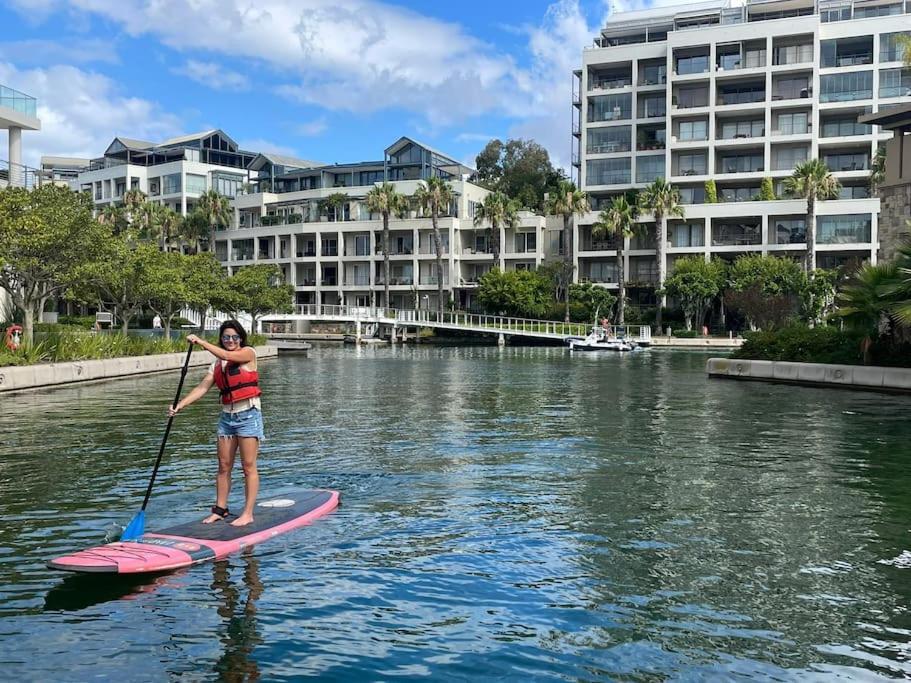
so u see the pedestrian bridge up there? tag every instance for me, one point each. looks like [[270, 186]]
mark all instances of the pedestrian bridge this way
[[450, 320]]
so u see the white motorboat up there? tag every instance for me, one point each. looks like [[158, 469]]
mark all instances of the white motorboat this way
[[599, 340]]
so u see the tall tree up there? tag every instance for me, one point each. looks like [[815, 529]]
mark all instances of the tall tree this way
[[568, 201], [695, 283], [384, 200], [861, 303], [118, 279], [434, 196], [205, 280], [132, 200], [115, 217], [164, 291], [46, 234], [498, 211], [662, 200], [812, 181], [521, 169], [213, 211], [258, 290], [620, 219]]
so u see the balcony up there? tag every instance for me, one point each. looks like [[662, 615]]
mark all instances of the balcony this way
[[736, 234], [609, 244], [740, 96], [793, 54], [330, 281], [608, 179], [17, 101], [357, 281]]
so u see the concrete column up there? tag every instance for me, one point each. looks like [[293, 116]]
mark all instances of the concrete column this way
[[16, 175]]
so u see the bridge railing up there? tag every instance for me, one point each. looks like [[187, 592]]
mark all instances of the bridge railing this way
[[461, 319]]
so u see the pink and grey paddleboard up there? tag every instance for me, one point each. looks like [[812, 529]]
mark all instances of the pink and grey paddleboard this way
[[195, 542]]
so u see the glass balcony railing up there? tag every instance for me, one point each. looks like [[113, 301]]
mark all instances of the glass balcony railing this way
[[17, 101]]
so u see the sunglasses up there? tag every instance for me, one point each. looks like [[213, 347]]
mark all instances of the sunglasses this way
[[230, 337]]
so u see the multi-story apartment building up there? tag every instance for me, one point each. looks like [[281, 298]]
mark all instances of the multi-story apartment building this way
[[63, 171], [174, 172], [332, 253], [736, 92]]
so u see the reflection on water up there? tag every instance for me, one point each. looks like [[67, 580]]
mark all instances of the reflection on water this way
[[510, 513]]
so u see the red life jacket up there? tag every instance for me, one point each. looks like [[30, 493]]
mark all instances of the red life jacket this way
[[235, 383]]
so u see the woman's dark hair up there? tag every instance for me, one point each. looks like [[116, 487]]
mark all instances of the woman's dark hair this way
[[237, 327]]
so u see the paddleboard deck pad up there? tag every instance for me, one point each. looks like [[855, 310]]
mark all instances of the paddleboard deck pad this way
[[195, 542]]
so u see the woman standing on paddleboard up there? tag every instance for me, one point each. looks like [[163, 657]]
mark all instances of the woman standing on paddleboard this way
[[241, 422]]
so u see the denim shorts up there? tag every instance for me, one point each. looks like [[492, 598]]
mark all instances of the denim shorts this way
[[246, 423]]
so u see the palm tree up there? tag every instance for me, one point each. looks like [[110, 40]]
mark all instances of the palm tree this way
[[498, 211], [812, 181], [567, 201], [434, 195], [904, 43], [898, 290], [168, 223], [336, 201], [861, 303], [132, 200], [620, 220], [146, 219], [878, 169], [115, 217], [214, 212], [384, 200], [661, 199]]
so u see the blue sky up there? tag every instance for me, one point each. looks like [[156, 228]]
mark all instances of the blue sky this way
[[330, 80]]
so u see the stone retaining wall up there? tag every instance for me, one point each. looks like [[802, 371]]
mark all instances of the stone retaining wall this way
[[813, 374], [19, 378]]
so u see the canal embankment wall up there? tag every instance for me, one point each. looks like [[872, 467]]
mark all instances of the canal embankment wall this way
[[863, 377], [50, 375]]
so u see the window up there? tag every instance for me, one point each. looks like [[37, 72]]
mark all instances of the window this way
[[742, 129], [227, 185], [878, 11], [847, 161], [895, 83], [844, 229], [889, 48], [688, 235], [602, 271], [652, 106], [171, 183], [370, 177], [854, 192], [743, 163], [410, 154], [846, 51], [739, 194], [689, 98], [791, 88], [649, 168], [696, 64], [607, 171], [741, 94], [526, 242], [608, 140], [793, 124], [845, 87], [196, 184], [329, 246], [652, 74], [839, 127], [691, 163], [786, 158], [793, 54], [692, 195], [609, 107], [361, 245], [836, 14], [787, 230], [736, 233], [693, 130]]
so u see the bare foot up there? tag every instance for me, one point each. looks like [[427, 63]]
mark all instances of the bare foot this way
[[212, 518], [243, 520]]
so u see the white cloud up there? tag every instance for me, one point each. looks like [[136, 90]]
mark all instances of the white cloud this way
[[312, 128], [474, 137], [213, 75], [81, 112]]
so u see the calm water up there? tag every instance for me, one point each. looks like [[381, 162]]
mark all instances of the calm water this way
[[512, 514]]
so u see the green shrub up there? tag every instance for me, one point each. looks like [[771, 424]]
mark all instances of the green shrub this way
[[685, 334], [802, 344], [84, 321], [711, 192], [766, 190]]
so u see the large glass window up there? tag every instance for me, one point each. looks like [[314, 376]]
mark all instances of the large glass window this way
[[787, 230], [693, 130], [846, 51], [607, 171], [854, 192], [652, 106], [227, 186], [692, 195], [608, 140], [838, 127], [652, 74], [196, 184], [793, 124], [695, 64], [857, 85], [602, 271], [847, 161], [691, 163], [739, 194], [741, 94], [844, 229], [895, 83], [688, 235], [736, 233], [793, 54], [609, 107], [878, 11], [786, 158], [688, 98], [526, 242], [791, 88], [171, 183], [649, 168], [890, 50], [741, 163], [742, 129]]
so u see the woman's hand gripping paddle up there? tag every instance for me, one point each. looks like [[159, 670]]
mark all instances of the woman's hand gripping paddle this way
[[136, 527]]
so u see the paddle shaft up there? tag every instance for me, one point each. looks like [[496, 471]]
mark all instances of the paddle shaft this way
[[167, 431]]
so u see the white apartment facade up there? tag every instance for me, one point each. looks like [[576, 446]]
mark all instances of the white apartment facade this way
[[333, 255], [174, 172], [736, 92]]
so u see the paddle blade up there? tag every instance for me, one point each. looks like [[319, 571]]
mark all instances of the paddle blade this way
[[135, 528]]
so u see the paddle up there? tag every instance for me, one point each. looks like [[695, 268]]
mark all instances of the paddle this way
[[136, 527]]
